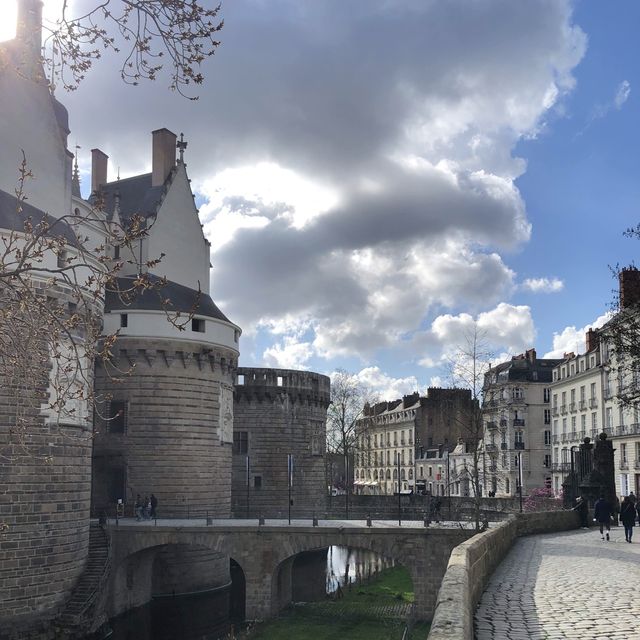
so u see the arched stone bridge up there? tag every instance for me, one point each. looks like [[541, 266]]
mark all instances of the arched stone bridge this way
[[266, 553]]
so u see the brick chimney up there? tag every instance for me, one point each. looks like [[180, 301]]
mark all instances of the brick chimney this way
[[531, 355], [98, 169], [629, 279], [164, 155], [592, 340]]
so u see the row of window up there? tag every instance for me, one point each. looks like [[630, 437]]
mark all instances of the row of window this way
[[368, 459], [406, 437], [383, 475]]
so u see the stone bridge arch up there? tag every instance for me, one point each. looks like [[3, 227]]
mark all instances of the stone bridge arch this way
[[263, 552]]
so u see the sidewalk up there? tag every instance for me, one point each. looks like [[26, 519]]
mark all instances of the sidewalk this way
[[564, 585]]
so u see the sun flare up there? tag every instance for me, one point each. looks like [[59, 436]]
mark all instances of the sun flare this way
[[8, 18]]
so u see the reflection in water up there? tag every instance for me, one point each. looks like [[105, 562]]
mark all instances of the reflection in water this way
[[200, 617], [207, 616], [349, 566]]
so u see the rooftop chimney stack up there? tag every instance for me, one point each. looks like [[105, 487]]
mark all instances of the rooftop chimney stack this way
[[98, 169], [591, 340], [164, 156], [29, 31], [629, 287]]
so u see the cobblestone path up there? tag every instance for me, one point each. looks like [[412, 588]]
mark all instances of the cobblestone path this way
[[564, 585]]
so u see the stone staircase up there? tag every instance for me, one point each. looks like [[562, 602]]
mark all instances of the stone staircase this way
[[80, 614]]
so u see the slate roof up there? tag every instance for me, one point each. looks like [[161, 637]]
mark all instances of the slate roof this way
[[181, 299], [137, 197], [12, 220]]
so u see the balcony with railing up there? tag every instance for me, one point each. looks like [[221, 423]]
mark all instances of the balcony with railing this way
[[621, 430], [504, 446], [492, 425], [634, 428], [555, 439], [554, 411], [518, 422], [623, 464], [636, 464], [573, 435], [518, 445], [583, 405], [564, 437], [563, 408], [559, 467], [593, 403], [490, 446], [573, 407]]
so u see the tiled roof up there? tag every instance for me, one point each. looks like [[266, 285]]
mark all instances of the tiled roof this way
[[181, 298]]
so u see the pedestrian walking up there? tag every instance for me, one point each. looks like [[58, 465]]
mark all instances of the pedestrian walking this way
[[628, 517], [638, 511], [147, 508], [138, 508], [154, 505], [602, 515]]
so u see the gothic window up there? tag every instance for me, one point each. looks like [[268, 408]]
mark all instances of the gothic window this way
[[240, 442]]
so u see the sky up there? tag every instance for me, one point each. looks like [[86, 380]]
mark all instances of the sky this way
[[377, 176]]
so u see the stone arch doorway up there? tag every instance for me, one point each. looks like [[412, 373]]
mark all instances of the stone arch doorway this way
[[238, 593]]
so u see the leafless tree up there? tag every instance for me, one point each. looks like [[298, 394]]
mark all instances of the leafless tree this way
[[621, 336], [150, 36], [345, 418], [467, 367], [54, 273]]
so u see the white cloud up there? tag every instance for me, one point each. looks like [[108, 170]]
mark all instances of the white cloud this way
[[360, 188], [288, 354], [622, 94], [572, 339], [385, 387], [543, 285]]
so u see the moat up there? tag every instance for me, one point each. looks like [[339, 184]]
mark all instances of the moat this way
[[323, 578]]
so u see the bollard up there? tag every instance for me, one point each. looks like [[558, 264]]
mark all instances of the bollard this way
[[208, 519], [261, 521], [314, 521], [426, 520], [368, 520]]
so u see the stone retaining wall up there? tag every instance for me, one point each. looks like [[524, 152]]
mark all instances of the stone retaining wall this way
[[472, 563]]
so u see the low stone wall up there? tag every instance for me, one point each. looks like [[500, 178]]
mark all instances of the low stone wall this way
[[472, 563], [413, 507]]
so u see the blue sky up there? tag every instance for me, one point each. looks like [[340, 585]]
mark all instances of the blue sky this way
[[376, 176]]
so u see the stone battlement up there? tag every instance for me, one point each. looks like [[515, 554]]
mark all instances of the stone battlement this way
[[264, 382]]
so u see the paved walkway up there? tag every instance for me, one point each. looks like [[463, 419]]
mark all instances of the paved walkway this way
[[564, 585]]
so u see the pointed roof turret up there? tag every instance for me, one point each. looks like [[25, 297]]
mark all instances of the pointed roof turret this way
[[75, 180]]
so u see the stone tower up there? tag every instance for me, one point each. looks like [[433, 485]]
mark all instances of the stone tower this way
[[277, 413], [45, 457], [167, 423]]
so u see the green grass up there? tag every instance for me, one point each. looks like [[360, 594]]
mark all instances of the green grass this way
[[391, 586], [359, 615]]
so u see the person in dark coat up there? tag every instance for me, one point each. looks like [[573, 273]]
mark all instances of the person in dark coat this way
[[638, 510], [154, 505], [583, 511], [602, 515], [628, 517]]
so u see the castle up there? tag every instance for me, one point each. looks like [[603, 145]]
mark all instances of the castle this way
[[166, 396]]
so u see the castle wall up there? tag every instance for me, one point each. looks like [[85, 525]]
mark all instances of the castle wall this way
[[177, 433], [44, 502], [279, 412]]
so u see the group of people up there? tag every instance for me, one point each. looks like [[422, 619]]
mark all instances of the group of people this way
[[604, 511], [146, 509]]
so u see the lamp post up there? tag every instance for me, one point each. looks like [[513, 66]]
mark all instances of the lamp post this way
[[248, 472], [520, 478], [399, 494]]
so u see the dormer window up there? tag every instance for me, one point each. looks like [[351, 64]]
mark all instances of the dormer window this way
[[197, 324]]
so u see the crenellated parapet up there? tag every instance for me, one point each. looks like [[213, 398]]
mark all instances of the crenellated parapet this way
[[171, 355], [269, 385]]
